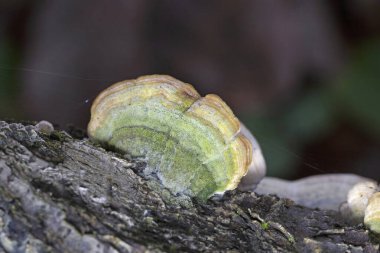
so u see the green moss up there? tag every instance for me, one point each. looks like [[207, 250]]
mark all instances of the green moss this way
[[265, 225]]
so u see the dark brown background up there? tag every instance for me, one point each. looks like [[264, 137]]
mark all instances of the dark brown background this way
[[303, 75]]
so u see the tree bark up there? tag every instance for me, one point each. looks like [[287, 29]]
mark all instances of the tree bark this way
[[62, 194]]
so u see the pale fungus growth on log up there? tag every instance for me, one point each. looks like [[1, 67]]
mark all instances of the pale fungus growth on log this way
[[192, 144], [358, 197], [372, 213], [195, 146], [44, 127]]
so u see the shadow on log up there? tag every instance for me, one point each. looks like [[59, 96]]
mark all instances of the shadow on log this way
[[62, 194]]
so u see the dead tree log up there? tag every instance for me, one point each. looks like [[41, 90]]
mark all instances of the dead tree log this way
[[61, 194]]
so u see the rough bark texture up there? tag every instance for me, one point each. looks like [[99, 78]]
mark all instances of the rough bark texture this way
[[61, 194]]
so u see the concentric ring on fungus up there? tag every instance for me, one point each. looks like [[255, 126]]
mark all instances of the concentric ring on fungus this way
[[193, 144]]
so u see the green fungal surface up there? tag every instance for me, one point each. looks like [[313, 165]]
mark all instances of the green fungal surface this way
[[191, 143]]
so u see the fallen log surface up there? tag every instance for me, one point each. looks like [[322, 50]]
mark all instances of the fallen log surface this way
[[64, 194]]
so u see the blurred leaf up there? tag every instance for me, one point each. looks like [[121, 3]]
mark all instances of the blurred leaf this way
[[359, 88], [283, 136], [8, 79], [310, 117], [277, 151]]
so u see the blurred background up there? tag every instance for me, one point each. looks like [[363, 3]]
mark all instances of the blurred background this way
[[304, 76]]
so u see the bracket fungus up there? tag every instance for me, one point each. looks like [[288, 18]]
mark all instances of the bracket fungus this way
[[194, 145], [358, 198], [363, 201], [372, 213]]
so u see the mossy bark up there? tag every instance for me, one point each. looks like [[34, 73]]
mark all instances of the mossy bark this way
[[61, 194]]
